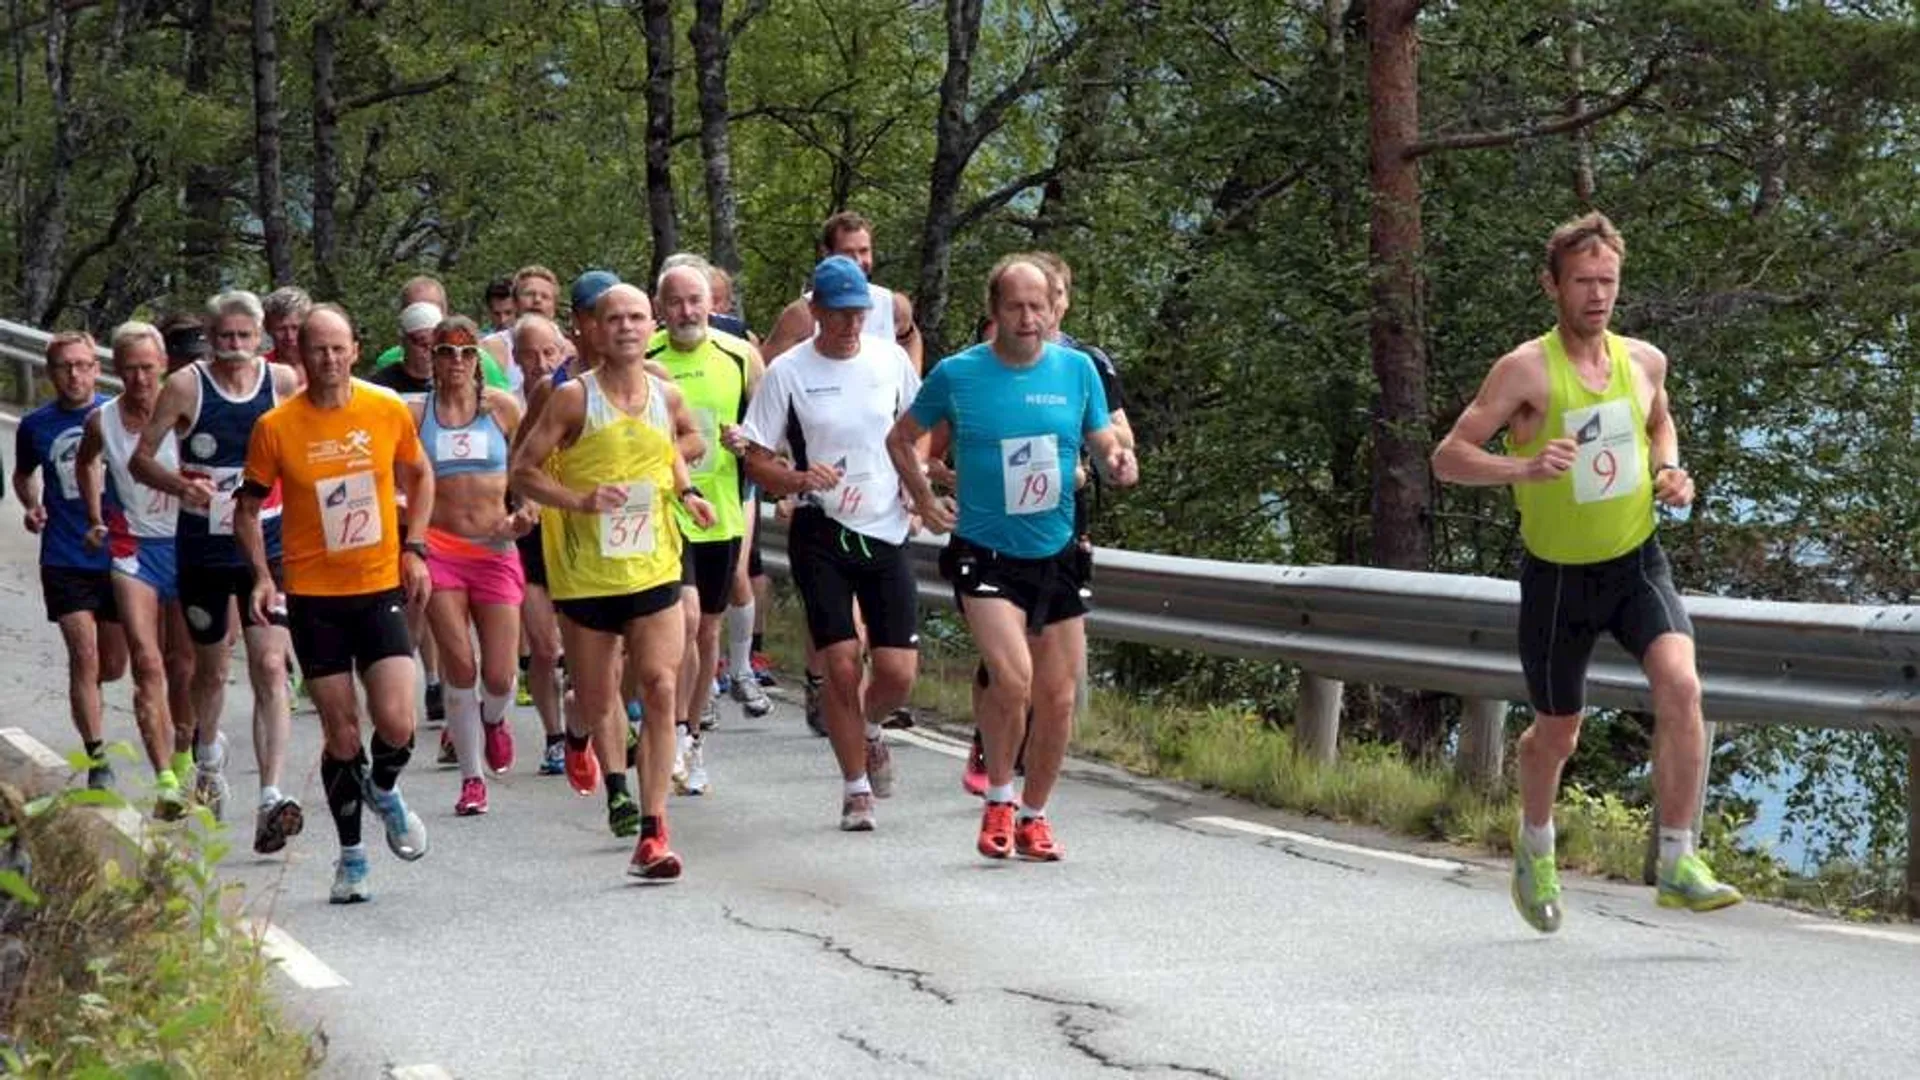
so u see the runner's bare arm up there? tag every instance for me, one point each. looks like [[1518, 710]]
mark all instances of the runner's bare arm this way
[[180, 390], [286, 380], [794, 326], [92, 478], [1671, 484], [686, 431], [1113, 457], [1122, 428], [907, 333], [253, 547], [903, 448], [557, 423], [1462, 457], [414, 476], [26, 488]]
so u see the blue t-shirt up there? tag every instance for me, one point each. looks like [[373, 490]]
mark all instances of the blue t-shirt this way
[[1016, 438], [49, 440]]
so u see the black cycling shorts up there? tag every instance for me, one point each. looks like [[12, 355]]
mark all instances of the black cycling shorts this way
[[708, 567], [533, 558], [611, 614], [1565, 608], [834, 566], [205, 591], [68, 590], [333, 635], [1047, 590]]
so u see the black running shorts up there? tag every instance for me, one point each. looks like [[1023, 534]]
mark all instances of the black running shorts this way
[[533, 558], [333, 635], [834, 566], [1047, 590], [1565, 608], [708, 567], [68, 590], [205, 591], [611, 614]]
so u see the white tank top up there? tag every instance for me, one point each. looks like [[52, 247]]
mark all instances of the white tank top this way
[[879, 322], [150, 513]]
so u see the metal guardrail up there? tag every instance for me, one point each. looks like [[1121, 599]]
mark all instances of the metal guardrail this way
[[23, 357]]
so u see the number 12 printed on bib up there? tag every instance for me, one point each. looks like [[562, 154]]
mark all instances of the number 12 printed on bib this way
[[349, 511]]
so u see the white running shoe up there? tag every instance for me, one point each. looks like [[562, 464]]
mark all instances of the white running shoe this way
[[696, 769], [753, 700], [682, 747]]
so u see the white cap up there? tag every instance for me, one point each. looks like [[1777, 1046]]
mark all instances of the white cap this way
[[419, 315]]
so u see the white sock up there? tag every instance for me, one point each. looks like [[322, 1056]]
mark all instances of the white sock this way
[[356, 853], [873, 731], [1537, 839], [1674, 843], [857, 786], [210, 753], [1000, 793], [268, 795], [739, 625], [1028, 813], [493, 707], [463, 727]]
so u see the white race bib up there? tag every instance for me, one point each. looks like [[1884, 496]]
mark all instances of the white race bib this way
[[1030, 469], [349, 511], [627, 533], [860, 490], [226, 488], [463, 445], [709, 425], [160, 505], [1606, 460]]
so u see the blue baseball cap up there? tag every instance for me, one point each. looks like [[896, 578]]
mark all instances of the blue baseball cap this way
[[838, 283], [589, 285]]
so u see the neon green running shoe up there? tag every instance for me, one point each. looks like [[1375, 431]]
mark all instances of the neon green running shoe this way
[[623, 815], [1536, 889], [1691, 885], [523, 694]]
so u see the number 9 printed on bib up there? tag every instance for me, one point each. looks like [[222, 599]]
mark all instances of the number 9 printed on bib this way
[[628, 532], [1606, 461], [1030, 469], [349, 511]]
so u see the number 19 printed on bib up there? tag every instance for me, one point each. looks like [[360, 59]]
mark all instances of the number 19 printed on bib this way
[[1606, 460], [1030, 469]]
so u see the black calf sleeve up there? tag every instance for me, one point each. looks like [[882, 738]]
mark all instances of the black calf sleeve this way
[[388, 761], [344, 782]]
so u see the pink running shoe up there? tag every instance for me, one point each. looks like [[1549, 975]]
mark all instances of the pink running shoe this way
[[975, 778], [499, 747], [473, 798]]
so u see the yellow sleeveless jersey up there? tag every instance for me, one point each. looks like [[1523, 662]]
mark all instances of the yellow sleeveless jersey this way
[[637, 546]]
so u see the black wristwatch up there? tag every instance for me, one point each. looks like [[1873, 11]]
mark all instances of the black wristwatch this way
[[690, 489], [415, 547], [1663, 467]]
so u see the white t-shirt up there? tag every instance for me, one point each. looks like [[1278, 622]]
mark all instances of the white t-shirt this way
[[839, 412]]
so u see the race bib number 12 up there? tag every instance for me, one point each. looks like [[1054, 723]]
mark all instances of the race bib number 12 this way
[[350, 511], [1606, 460]]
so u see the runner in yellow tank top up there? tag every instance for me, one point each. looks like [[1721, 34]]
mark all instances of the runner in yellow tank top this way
[[602, 458], [1591, 447]]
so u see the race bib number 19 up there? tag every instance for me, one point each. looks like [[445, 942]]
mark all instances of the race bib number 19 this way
[[350, 511], [628, 533], [1030, 469], [1606, 460]]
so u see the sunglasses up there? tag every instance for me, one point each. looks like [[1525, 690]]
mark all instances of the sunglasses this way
[[456, 352]]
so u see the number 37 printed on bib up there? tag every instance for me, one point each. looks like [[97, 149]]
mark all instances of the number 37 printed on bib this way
[[1606, 460]]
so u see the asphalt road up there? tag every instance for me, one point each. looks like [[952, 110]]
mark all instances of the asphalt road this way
[[1183, 935]]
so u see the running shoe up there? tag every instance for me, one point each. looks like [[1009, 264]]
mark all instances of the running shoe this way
[[635, 712], [856, 813], [653, 859], [436, 703], [1536, 889], [1690, 884], [406, 833], [582, 768], [722, 679], [169, 802], [710, 713], [448, 755], [276, 823], [499, 747], [697, 768], [996, 830], [763, 670], [100, 776], [623, 815], [553, 762], [523, 693], [880, 767], [633, 744], [210, 777], [473, 798], [974, 779], [682, 746], [1033, 839], [753, 700], [816, 690], [350, 880]]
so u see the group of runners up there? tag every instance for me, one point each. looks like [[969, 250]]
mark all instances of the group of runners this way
[[561, 512]]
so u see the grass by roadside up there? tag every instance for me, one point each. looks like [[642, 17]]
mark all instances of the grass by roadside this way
[[137, 972], [1241, 755]]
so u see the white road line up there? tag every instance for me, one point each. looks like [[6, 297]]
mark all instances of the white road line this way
[[1445, 866], [300, 965], [36, 751], [937, 744], [1873, 932], [418, 1072]]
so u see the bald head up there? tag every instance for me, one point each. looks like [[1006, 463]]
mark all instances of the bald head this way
[[1020, 299], [537, 346], [622, 324]]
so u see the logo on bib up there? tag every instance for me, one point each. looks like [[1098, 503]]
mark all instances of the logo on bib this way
[[338, 495], [203, 444], [1589, 431], [1021, 456]]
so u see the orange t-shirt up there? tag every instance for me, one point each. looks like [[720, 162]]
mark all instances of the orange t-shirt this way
[[339, 528]]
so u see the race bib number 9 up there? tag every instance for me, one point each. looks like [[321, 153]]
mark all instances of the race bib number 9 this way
[[454, 446], [628, 532], [349, 511], [1030, 469], [1606, 460]]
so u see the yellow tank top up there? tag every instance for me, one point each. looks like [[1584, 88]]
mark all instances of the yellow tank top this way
[[631, 549], [1602, 508]]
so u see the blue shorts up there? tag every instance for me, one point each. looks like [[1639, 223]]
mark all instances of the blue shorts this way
[[151, 562]]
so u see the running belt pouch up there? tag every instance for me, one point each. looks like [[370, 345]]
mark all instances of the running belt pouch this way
[[1082, 563], [956, 565]]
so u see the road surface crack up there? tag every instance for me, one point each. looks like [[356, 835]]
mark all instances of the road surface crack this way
[[1290, 848], [1070, 1020], [916, 980], [885, 1057]]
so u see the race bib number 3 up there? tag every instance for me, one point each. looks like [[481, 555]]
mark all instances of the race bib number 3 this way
[[1030, 469], [460, 446], [1606, 461], [627, 533], [350, 511]]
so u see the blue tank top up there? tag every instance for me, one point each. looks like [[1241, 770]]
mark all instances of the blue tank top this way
[[215, 448], [478, 447], [48, 439]]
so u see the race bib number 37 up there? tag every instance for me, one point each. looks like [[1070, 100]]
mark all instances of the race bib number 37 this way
[[1030, 469], [349, 511], [628, 532], [1606, 461]]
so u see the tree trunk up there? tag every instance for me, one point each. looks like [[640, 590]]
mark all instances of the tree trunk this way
[[272, 208], [661, 214], [1583, 138], [712, 46], [1083, 123], [326, 157], [46, 238], [206, 231], [953, 146]]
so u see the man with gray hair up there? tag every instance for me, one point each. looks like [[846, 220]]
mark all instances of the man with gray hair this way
[[286, 308], [210, 407]]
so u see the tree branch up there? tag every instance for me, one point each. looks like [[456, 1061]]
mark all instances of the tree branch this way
[[1260, 75], [987, 119], [747, 14], [1004, 195], [1481, 140], [145, 179], [399, 90]]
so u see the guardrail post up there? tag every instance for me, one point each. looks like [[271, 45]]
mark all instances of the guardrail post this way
[[1913, 826], [1482, 752], [1316, 718], [23, 382]]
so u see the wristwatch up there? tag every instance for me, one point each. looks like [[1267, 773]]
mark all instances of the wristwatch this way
[[690, 489], [1663, 467], [415, 547]]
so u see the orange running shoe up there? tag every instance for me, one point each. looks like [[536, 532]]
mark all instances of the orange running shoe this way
[[583, 770], [653, 859], [996, 830], [1033, 839]]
